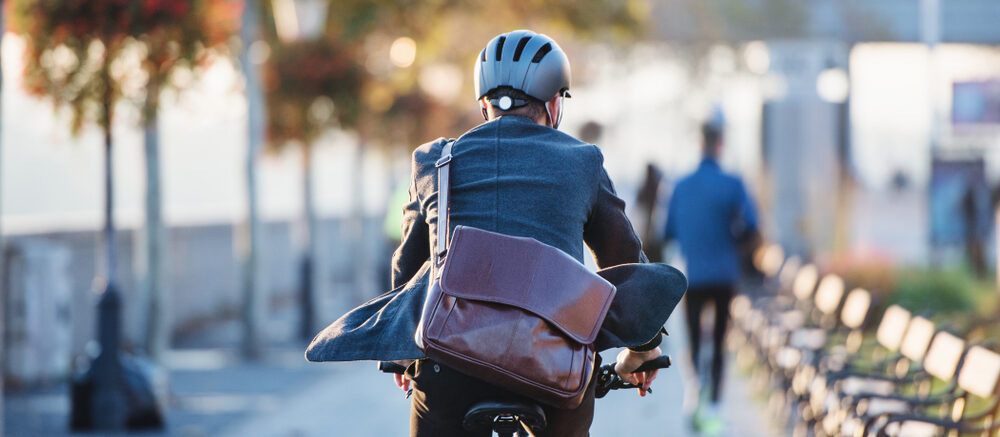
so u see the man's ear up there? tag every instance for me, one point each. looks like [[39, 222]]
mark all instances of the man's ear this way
[[482, 105]]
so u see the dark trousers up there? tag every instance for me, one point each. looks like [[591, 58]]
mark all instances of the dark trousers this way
[[694, 300], [441, 397]]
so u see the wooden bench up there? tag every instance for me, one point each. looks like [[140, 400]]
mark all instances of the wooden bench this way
[[806, 342], [978, 379], [861, 407]]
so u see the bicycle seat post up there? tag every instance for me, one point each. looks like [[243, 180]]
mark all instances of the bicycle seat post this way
[[505, 425], [505, 418]]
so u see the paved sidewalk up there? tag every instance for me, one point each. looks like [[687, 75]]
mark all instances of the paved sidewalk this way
[[355, 400], [209, 390], [213, 393]]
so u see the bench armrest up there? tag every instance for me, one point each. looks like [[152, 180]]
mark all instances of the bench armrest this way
[[963, 426], [835, 377], [913, 401]]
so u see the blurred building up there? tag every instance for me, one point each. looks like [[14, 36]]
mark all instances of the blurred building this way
[[875, 117]]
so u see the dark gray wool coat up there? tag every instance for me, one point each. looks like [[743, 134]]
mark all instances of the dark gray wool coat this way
[[513, 176]]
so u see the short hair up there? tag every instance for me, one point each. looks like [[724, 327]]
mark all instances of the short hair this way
[[534, 109], [710, 134]]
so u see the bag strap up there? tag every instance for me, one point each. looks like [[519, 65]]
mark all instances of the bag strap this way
[[444, 189]]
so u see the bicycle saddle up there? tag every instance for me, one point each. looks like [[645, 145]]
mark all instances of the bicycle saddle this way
[[483, 414]]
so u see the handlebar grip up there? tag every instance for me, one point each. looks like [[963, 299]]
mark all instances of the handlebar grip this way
[[661, 362], [390, 367]]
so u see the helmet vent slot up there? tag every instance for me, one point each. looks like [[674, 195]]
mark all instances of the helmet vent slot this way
[[500, 47], [520, 47], [542, 51], [482, 55]]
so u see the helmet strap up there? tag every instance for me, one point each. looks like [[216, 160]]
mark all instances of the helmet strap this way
[[555, 122]]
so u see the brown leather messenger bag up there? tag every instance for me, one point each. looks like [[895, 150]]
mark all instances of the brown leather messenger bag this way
[[512, 311]]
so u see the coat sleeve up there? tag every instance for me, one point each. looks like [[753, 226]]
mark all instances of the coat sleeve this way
[[414, 246], [746, 212], [670, 229], [610, 236], [608, 232]]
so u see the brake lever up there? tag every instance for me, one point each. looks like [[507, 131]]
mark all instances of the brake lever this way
[[608, 379], [605, 381]]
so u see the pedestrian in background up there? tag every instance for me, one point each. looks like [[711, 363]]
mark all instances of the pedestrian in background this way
[[647, 204], [710, 214]]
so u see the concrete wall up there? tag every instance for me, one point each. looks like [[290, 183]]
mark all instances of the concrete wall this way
[[49, 279]]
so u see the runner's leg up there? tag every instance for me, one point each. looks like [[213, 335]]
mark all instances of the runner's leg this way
[[723, 296], [693, 301]]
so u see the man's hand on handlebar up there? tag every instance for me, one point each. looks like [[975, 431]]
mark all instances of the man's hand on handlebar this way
[[401, 380], [629, 360]]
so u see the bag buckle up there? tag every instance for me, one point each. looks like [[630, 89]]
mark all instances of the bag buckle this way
[[443, 161]]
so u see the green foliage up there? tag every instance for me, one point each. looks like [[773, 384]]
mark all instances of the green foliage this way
[[878, 276], [938, 292], [89, 53], [312, 85], [385, 104]]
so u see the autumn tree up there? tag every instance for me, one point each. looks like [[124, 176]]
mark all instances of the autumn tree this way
[[90, 55], [312, 86]]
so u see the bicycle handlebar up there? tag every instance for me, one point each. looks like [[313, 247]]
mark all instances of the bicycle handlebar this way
[[608, 379], [390, 367], [661, 362]]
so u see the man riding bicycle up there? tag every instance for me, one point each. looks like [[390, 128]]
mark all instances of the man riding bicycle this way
[[518, 175]]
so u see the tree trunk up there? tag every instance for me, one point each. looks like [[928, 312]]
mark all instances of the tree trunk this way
[[253, 282], [156, 311], [355, 229], [309, 248], [109, 200]]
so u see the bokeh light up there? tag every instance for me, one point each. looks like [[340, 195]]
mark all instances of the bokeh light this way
[[403, 52], [259, 52], [442, 81], [833, 85], [756, 56]]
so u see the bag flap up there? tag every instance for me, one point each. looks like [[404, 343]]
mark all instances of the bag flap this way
[[527, 274]]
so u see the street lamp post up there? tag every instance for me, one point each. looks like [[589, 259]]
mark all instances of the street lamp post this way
[[298, 20], [113, 394]]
